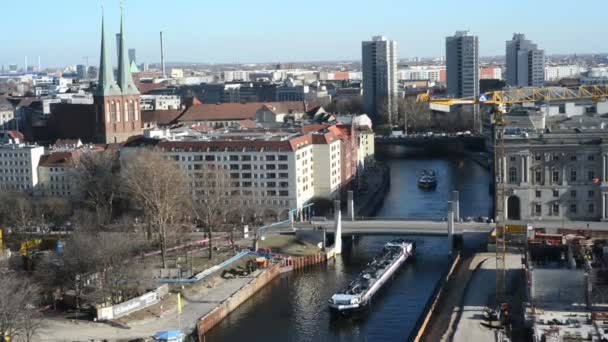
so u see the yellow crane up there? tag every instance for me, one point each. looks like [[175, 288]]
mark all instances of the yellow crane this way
[[500, 102]]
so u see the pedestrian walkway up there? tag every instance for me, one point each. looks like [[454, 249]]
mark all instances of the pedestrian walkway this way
[[193, 308]]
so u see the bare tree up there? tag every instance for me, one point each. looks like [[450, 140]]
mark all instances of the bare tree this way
[[159, 189], [97, 179], [53, 210], [18, 298], [413, 114], [353, 105], [212, 205]]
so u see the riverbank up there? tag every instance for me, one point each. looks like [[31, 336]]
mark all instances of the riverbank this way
[[376, 183]]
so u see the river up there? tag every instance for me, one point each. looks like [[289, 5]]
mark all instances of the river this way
[[294, 306]]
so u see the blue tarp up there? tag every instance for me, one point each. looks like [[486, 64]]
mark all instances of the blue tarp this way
[[169, 335]]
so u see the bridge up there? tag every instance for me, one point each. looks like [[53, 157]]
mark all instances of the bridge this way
[[443, 140], [397, 227]]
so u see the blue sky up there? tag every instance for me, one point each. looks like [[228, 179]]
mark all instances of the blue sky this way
[[241, 31]]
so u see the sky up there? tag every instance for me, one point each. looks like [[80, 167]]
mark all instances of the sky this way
[[244, 31]]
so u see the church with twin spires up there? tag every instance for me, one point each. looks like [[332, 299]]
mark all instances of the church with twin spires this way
[[114, 115]]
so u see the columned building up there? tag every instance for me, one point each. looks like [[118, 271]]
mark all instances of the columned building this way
[[560, 176]]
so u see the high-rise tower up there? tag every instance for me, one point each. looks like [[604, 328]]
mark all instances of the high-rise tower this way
[[525, 63], [462, 62], [379, 60]]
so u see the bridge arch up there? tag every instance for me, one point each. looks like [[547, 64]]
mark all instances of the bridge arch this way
[[513, 208]]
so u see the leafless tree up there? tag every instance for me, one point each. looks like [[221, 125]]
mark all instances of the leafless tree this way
[[213, 203], [53, 209], [414, 114], [18, 297], [159, 188], [353, 105], [97, 178]]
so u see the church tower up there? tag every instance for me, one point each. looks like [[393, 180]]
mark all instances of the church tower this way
[[117, 104]]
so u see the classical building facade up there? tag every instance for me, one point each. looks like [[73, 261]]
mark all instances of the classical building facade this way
[[562, 175]]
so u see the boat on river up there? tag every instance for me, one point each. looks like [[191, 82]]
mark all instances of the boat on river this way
[[359, 292], [427, 179]]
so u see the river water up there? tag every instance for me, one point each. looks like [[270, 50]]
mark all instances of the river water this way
[[294, 306]]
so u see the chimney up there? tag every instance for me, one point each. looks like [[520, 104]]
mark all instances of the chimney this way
[[162, 55]]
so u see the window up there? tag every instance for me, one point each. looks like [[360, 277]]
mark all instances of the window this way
[[270, 158], [573, 208], [555, 176], [591, 175], [590, 193], [538, 176], [271, 193], [573, 193], [556, 208], [234, 175], [271, 184], [591, 208], [537, 209], [282, 166], [573, 158], [555, 157], [270, 167], [117, 111], [282, 157], [573, 176], [512, 158], [537, 157], [234, 166], [283, 184], [555, 193], [234, 158], [246, 167], [246, 158], [246, 175], [283, 175], [209, 158], [246, 184], [512, 175], [591, 157], [283, 193], [538, 193], [271, 175]]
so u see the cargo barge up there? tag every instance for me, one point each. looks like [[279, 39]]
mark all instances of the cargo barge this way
[[359, 292]]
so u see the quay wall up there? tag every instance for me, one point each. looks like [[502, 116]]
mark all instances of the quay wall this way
[[370, 204], [215, 316], [433, 302]]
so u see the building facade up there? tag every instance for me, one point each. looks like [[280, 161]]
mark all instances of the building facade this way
[[462, 63], [18, 166], [379, 62], [555, 176], [525, 63]]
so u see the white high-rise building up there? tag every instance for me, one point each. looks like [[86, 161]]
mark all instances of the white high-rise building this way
[[462, 62], [379, 60], [525, 63]]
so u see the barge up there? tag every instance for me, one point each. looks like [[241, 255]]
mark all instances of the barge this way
[[359, 292]]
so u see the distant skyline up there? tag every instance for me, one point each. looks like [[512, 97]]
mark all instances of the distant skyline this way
[[62, 32]]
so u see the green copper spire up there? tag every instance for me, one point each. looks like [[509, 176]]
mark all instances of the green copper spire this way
[[125, 79], [106, 86]]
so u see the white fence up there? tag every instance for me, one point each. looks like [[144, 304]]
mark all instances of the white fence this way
[[132, 305]]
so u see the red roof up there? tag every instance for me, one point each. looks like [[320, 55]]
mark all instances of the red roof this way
[[220, 112], [323, 138], [314, 128], [285, 107], [248, 124], [161, 117]]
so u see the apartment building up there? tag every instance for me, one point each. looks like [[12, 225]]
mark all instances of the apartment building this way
[[327, 164], [18, 162], [556, 175]]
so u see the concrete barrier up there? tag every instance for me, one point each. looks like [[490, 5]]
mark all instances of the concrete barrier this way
[[437, 297]]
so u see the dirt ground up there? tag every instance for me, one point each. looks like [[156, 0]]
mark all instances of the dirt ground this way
[[289, 244], [196, 290]]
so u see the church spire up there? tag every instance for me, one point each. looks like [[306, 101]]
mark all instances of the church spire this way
[[125, 79], [106, 85]]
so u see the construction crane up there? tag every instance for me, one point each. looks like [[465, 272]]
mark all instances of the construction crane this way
[[500, 101]]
